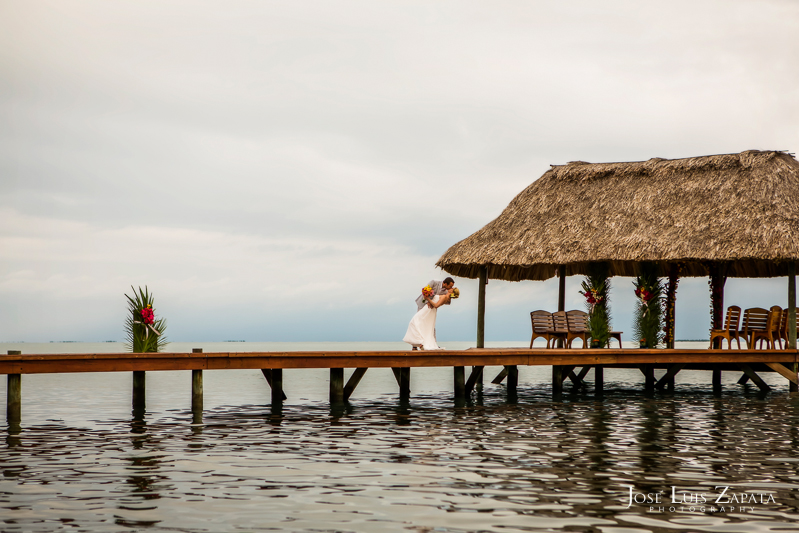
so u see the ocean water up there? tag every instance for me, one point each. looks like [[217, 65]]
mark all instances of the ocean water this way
[[625, 462]]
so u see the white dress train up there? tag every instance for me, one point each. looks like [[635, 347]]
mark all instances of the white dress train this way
[[422, 329]]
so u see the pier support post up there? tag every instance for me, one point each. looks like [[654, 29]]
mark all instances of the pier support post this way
[[716, 381], [792, 387], [277, 387], [599, 379], [14, 396], [336, 385], [405, 383], [557, 381], [649, 377], [460, 382], [139, 386], [197, 391], [513, 381]]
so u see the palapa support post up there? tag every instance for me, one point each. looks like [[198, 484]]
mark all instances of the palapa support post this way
[[139, 386], [599, 379], [197, 389], [481, 322], [561, 296], [336, 385], [671, 300], [14, 396], [268, 373], [793, 387], [459, 377], [718, 279], [355, 378]]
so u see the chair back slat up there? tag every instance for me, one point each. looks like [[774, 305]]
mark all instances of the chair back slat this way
[[755, 319], [577, 321], [733, 318], [561, 322], [542, 321]]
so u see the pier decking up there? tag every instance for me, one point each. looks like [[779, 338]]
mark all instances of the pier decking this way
[[564, 363]]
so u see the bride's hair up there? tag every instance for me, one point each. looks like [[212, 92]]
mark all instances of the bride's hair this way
[[455, 293]]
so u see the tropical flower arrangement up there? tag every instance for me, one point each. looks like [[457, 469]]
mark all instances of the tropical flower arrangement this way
[[648, 320], [427, 293], [596, 290], [144, 333]]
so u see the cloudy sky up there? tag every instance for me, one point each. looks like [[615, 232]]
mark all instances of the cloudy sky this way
[[292, 170]]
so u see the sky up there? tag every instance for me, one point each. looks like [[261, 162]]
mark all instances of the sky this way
[[291, 171]]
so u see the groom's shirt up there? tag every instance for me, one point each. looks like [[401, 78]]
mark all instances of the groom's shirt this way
[[437, 289]]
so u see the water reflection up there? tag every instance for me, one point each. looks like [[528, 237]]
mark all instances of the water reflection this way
[[387, 464]]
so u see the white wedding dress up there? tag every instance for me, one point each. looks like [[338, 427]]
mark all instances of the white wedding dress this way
[[422, 329]]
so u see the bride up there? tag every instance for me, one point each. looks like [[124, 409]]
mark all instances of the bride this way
[[422, 329]]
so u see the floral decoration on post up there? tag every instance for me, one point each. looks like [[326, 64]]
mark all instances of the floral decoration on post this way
[[648, 318], [144, 333], [596, 290]]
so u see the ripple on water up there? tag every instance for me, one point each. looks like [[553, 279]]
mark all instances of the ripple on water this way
[[378, 465]]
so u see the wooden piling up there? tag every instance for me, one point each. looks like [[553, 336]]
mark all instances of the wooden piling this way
[[336, 385], [405, 383], [355, 378], [649, 377], [599, 379], [277, 387], [481, 318], [14, 395], [197, 387], [557, 380], [460, 382], [716, 381], [513, 378], [139, 385], [561, 298]]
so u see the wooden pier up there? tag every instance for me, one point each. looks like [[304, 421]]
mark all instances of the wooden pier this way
[[567, 364]]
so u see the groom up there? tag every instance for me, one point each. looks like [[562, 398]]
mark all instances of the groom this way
[[439, 287]]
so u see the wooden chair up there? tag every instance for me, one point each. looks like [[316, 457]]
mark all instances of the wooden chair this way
[[755, 319], [561, 323], [615, 335], [783, 336], [769, 332], [542, 326], [731, 327], [578, 327]]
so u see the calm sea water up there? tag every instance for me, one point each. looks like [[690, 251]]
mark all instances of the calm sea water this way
[[83, 462]]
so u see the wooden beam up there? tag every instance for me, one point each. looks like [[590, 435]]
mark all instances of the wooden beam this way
[[355, 378], [788, 374], [477, 372], [754, 377], [267, 372], [716, 380], [566, 371], [561, 297], [501, 376], [668, 376], [743, 379], [481, 306]]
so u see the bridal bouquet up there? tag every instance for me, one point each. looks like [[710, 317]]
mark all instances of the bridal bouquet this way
[[144, 332], [428, 292]]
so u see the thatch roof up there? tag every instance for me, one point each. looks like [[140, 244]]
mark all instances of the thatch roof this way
[[741, 209]]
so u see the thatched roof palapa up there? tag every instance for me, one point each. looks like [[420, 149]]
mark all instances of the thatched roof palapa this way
[[739, 209]]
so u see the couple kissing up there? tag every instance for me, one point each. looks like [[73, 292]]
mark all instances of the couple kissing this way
[[421, 332]]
